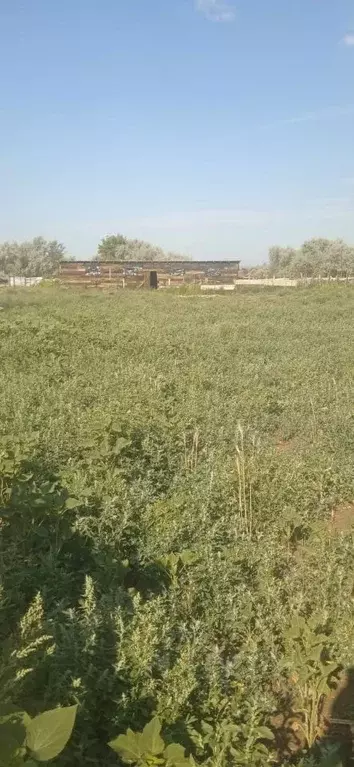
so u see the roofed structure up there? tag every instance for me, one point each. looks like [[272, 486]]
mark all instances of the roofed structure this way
[[153, 274]]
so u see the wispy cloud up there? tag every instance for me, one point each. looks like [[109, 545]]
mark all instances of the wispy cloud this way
[[328, 113], [348, 39], [218, 219], [216, 10], [209, 218], [328, 208]]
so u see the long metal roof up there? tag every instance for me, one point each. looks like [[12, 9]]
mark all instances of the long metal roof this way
[[147, 264]]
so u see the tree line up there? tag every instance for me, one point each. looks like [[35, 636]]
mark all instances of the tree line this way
[[32, 258], [116, 247], [41, 258], [318, 257]]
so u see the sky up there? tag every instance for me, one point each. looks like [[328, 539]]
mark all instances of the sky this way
[[215, 128]]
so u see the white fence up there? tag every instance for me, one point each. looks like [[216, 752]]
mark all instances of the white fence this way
[[23, 282], [280, 282]]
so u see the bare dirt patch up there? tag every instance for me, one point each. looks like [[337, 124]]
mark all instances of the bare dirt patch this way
[[288, 736], [342, 517], [285, 445], [335, 720], [338, 715]]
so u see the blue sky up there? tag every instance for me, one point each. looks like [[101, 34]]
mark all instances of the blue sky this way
[[213, 127]]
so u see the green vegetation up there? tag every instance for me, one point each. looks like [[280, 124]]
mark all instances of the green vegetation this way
[[33, 258], [176, 497], [115, 247], [24, 740], [318, 257], [41, 258]]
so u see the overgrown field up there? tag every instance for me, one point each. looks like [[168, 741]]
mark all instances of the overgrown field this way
[[176, 484]]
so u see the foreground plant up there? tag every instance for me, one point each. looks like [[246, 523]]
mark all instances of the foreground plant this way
[[26, 741], [306, 658], [237, 736], [147, 748]]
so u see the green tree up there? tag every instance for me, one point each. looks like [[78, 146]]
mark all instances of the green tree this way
[[32, 258], [280, 260], [318, 257], [107, 248], [118, 248]]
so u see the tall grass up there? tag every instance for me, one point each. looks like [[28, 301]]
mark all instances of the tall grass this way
[[170, 473]]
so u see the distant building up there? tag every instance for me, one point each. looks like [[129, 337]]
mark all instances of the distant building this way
[[148, 274]]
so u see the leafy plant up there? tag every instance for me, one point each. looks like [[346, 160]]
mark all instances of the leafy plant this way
[[25, 741], [236, 736], [311, 671], [172, 481], [147, 748]]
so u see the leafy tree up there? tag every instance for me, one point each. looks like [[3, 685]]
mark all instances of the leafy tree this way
[[280, 259], [33, 258], [316, 257], [258, 272], [107, 248], [118, 248]]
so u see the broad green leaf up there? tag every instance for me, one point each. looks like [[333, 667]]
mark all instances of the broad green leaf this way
[[72, 503], [120, 444], [315, 653], [206, 727], [185, 762], [188, 557], [261, 748], [265, 732], [151, 741], [48, 733], [174, 753], [128, 746]]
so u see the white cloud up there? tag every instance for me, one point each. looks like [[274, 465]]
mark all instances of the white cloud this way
[[244, 219], [348, 39], [326, 113], [207, 218], [327, 208], [216, 10]]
